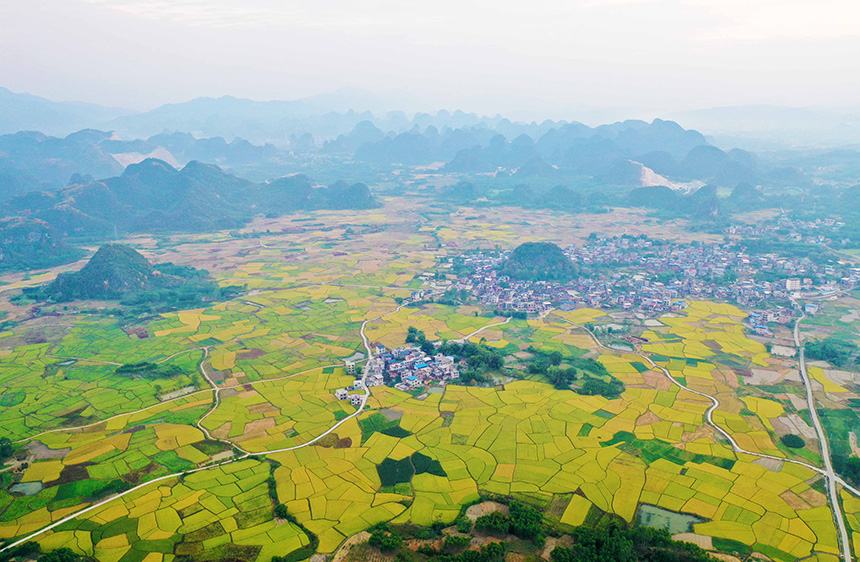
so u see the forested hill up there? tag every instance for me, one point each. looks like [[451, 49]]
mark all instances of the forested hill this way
[[32, 244], [539, 261], [119, 272], [116, 269]]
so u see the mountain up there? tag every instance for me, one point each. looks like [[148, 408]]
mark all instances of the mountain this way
[[53, 160], [629, 153], [27, 243], [710, 164], [25, 112], [153, 196], [230, 117], [115, 270], [747, 197], [539, 261], [701, 204]]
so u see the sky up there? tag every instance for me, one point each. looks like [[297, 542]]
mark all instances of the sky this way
[[541, 56]]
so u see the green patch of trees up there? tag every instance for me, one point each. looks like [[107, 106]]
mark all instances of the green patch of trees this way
[[837, 352], [417, 337], [6, 448], [384, 538], [615, 543], [793, 441], [479, 356], [149, 370], [563, 371], [522, 521], [851, 470]]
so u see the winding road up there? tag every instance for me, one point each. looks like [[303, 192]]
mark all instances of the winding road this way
[[831, 477], [245, 454], [830, 474]]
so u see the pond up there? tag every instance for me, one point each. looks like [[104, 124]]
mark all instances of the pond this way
[[659, 518], [26, 488]]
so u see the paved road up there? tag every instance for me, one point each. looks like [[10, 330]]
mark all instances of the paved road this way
[[464, 339], [830, 474], [709, 412], [245, 454]]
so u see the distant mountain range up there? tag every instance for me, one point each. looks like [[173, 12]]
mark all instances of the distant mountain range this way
[[25, 112], [153, 196], [630, 153], [327, 115]]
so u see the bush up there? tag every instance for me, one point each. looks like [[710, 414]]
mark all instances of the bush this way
[[464, 525], [453, 542], [60, 555], [852, 470], [26, 550], [6, 448], [383, 538]]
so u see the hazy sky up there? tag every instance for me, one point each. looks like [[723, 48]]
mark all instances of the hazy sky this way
[[483, 56]]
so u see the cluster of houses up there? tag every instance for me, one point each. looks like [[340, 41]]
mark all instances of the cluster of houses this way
[[409, 367], [406, 367], [818, 231], [641, 274], [354, 393]]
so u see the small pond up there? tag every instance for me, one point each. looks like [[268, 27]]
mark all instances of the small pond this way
[[659, 518], [26, 488]]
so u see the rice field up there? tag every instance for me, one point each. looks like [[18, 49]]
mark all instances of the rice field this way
[[276, 354]]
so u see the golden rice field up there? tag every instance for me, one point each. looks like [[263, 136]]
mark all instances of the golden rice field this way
[[277, 352]]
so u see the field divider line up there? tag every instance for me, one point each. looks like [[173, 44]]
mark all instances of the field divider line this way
[[709, 412], [222, 463], [201, 391]]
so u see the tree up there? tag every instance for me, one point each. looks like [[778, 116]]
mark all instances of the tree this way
[[852, 469], [494, 522], [6, 448]]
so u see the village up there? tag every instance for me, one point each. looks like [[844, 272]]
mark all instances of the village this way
[[639, 274], [406, 368]]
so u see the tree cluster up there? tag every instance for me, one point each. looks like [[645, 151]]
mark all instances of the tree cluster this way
[[564, 371], [522, 521], [384, 538], [793, 441], [615, 543], [416, 336], [837, 352]]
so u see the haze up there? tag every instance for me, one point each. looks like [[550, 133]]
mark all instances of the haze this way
[[540, 58]]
